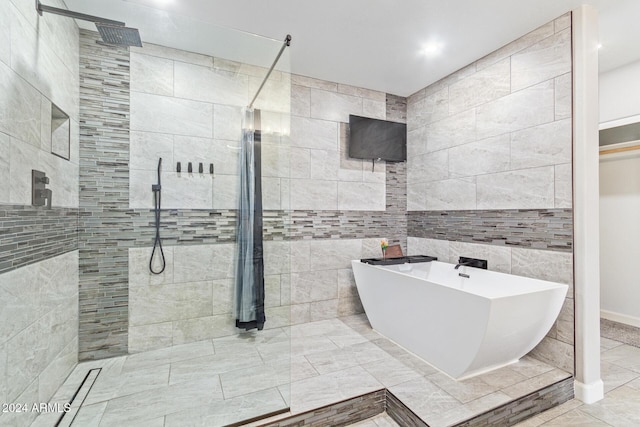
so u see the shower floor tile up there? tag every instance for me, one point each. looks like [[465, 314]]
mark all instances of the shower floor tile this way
[[301, 367]]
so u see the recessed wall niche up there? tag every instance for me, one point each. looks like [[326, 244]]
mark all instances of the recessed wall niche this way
[[60, 133]]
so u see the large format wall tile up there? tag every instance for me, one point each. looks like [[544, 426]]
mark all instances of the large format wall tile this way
[[431, 108], [151, 74], [168, 302], [483, 86], [519, 189], [563, 186], [543, 145], [312, 133], [173, 54], [5, 147], [227, 122], [19, 108], [40, 327], [451, 194], [517, 45], [300, 101], [37, 62], [529, 107], [275, 94], [545, 265], [205, 262], [154, 113], [486, 156], [428, 167], [361, 196], [563, 96], [545, 60], [454, 130], [5, 32], [334, 254], [314, 194], [314, 286], [213, 86], [334, 106], [145, 148]]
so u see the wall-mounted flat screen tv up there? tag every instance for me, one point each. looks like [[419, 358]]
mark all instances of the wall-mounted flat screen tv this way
[[374, 139]]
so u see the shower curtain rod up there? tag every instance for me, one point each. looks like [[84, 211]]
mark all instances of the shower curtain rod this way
[[287, 42]]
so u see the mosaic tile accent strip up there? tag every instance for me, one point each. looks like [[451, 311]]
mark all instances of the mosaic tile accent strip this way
[[396, 108], [396, 209], [29, 234], [197, 226], [343, 413], [550, 229], [526, 407], [104, 193]]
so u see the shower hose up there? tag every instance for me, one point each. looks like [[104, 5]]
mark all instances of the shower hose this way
[[157, 243]]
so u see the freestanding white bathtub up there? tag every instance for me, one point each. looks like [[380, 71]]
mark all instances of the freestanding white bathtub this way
[[462, 326]]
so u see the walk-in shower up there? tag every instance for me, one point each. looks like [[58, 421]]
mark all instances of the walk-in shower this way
[[78, 290]]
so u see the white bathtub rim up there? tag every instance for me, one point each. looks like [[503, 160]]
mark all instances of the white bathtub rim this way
[[544, 285]]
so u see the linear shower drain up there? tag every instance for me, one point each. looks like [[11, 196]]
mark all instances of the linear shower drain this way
[[78, 398]]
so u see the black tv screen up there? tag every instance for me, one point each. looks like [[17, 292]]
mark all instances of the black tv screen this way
[[375, 139]]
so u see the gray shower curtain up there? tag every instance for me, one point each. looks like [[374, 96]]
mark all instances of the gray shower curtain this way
[[249, 301]]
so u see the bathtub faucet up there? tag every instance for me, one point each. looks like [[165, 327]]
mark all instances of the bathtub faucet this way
[[460, 264], [472, 262]]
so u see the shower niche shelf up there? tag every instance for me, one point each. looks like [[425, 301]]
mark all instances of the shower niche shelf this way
[[60, 133]]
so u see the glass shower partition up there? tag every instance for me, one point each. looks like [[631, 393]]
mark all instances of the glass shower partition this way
[[188, 88]]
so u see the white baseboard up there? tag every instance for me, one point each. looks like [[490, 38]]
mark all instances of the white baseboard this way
[[589, 393], [620, 318]]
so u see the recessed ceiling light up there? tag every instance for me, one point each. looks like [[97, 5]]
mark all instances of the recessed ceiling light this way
[[432, 48], [599, 46]]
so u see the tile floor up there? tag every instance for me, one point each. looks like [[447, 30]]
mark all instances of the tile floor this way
[[220, 381], [620, 407]]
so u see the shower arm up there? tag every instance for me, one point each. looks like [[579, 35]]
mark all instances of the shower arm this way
[[70, 14], [287, 42]]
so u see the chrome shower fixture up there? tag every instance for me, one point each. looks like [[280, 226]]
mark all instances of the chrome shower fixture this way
[[112, 32]]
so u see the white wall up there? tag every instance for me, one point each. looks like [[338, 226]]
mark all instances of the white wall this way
[[620, 92], [619, 200], [620, 236]]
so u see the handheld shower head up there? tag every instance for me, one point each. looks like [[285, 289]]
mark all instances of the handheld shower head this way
[[158, 187]]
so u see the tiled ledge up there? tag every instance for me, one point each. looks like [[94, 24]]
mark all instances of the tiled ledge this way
[[362, 407]]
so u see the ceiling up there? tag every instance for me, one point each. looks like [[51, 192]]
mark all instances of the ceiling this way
[[376, 44]]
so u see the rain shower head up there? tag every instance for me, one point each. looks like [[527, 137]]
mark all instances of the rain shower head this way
[[119, 35], [112, 32]]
